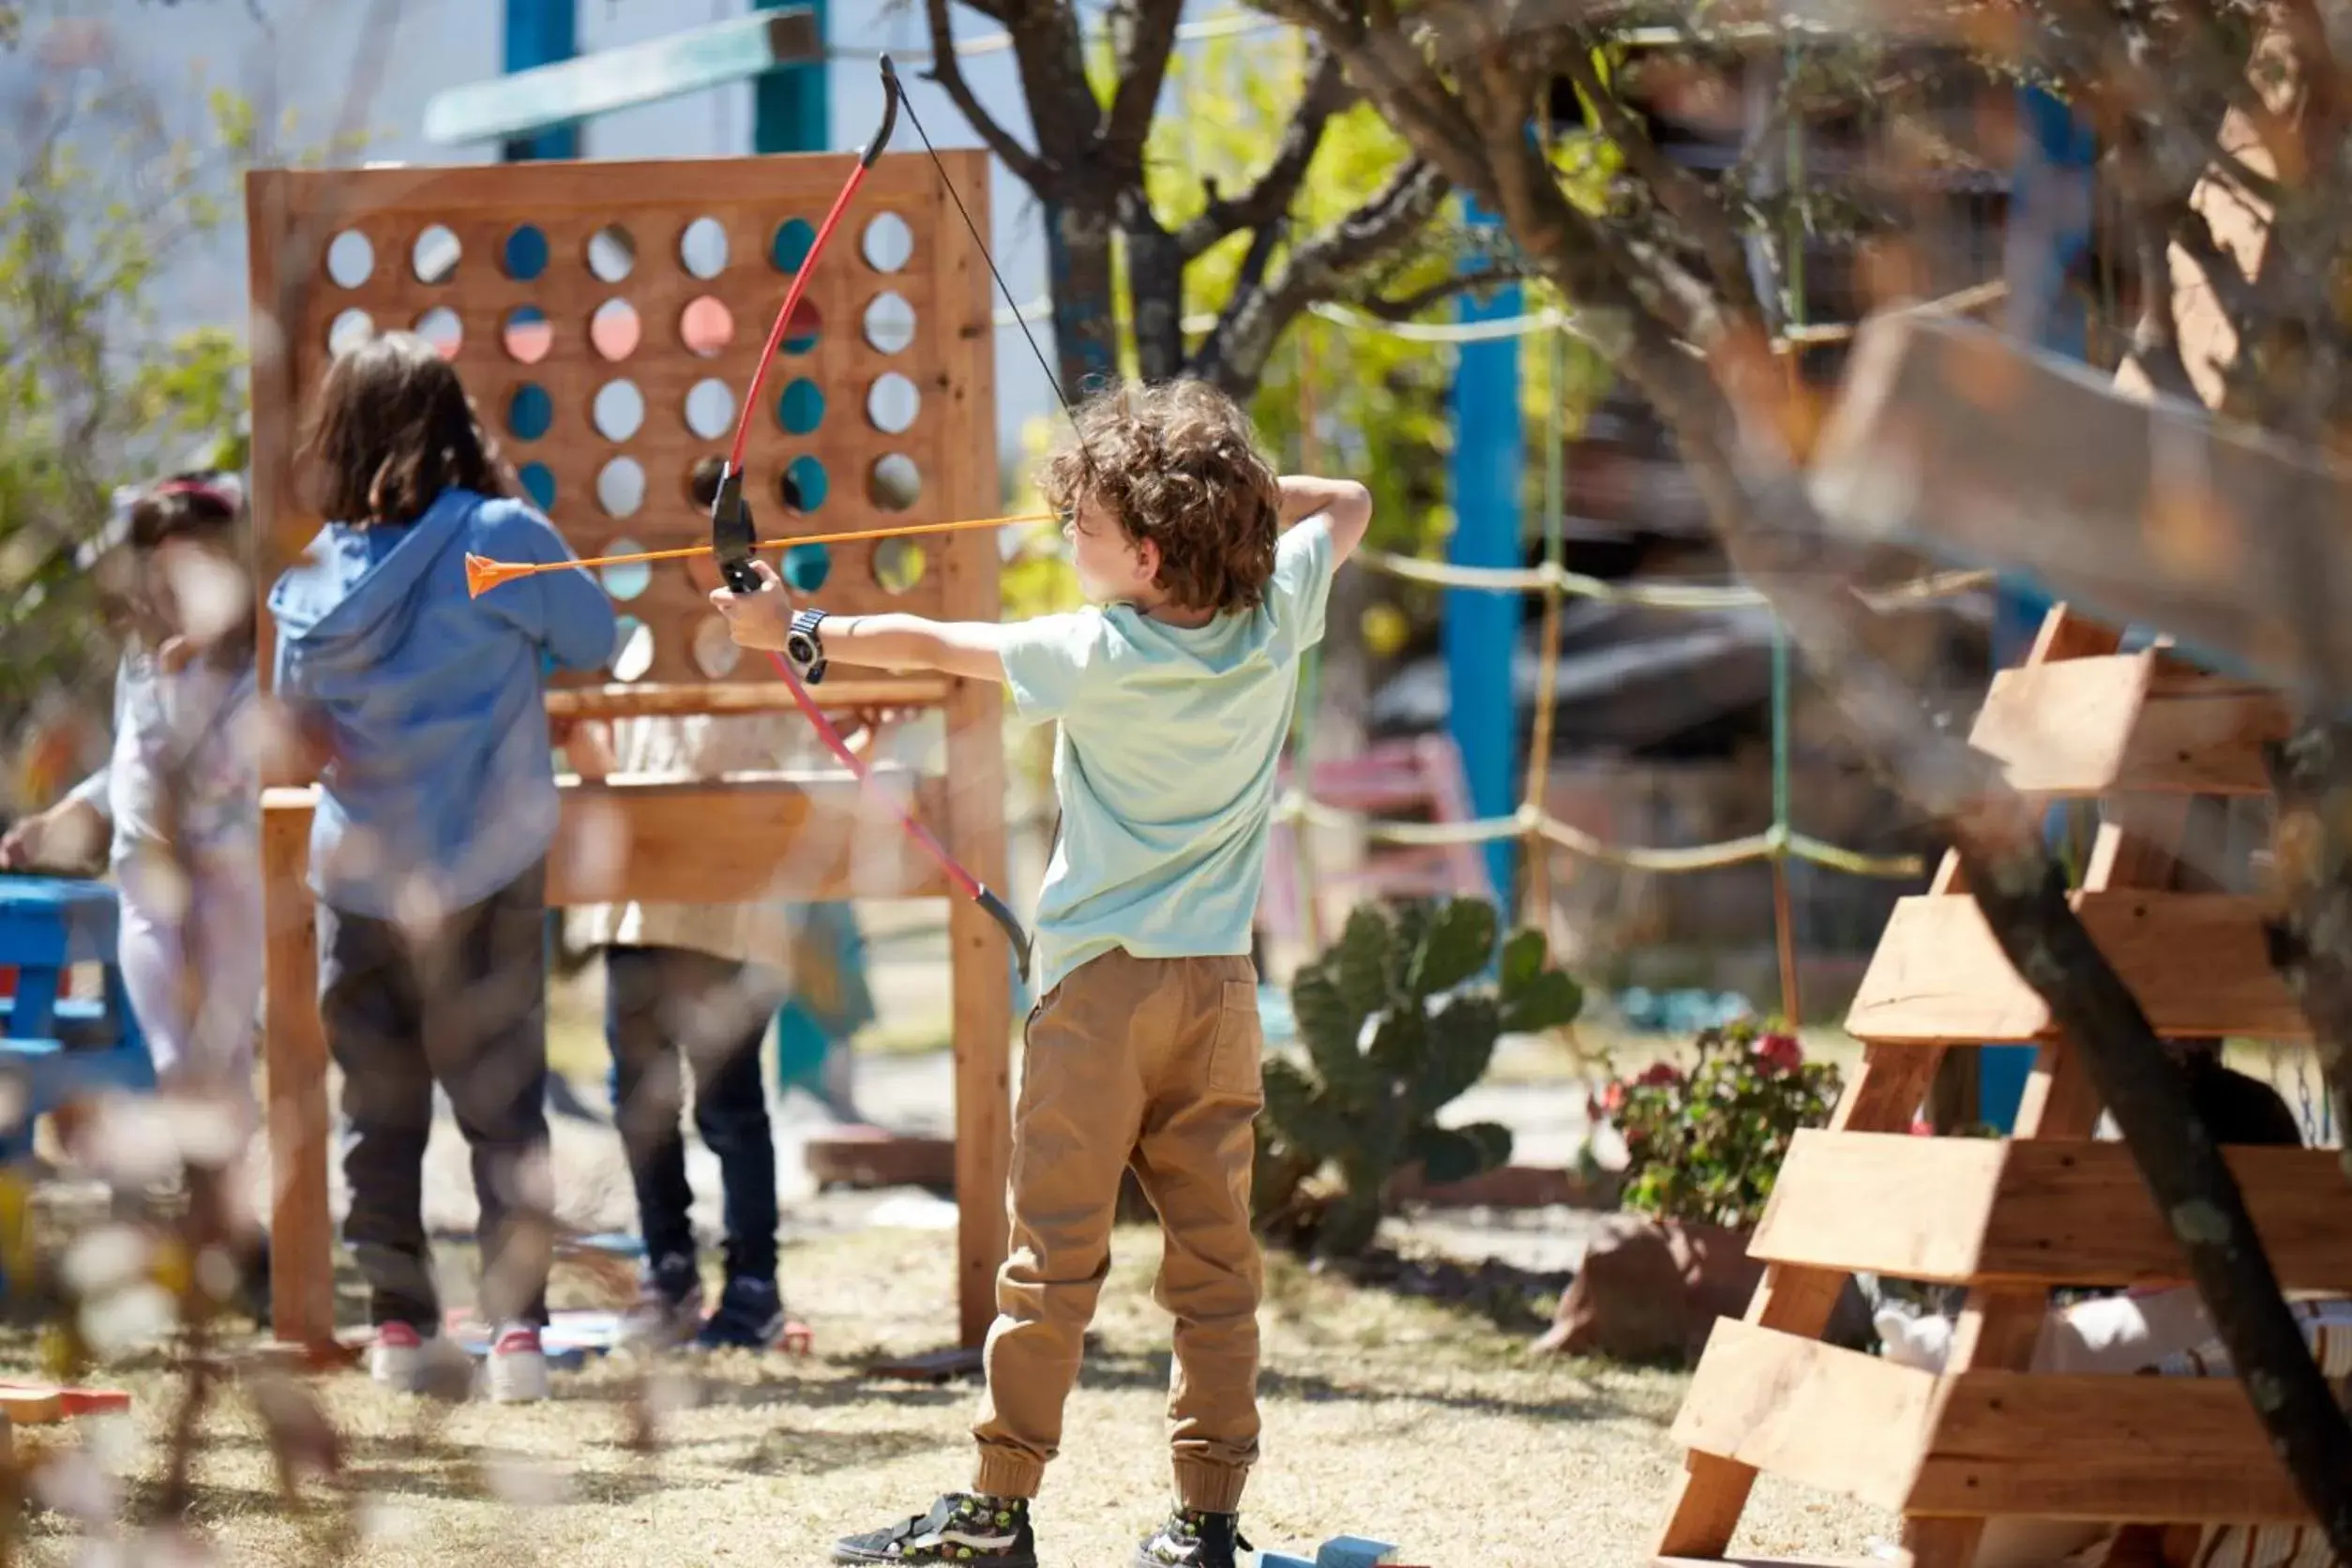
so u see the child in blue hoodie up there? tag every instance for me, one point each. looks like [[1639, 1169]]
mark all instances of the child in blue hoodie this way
[[437, 805]]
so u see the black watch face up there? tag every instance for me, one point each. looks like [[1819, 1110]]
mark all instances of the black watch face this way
[[801, 648]]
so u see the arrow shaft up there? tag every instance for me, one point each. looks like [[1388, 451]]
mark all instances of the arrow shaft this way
[[523, 568]]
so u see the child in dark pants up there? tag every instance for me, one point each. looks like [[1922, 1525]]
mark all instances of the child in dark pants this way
[[437, 806]]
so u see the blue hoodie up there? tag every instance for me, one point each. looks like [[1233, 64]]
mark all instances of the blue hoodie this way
[[442, 782]]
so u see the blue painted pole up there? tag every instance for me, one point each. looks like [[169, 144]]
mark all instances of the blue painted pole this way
[[2050, 212], [1481, 630], [791, 106], [541, 32]]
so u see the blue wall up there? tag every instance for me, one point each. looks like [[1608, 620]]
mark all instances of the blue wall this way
[[541, 32]]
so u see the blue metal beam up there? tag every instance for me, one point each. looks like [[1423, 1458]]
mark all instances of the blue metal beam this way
[[1481, 631], [791, 106], [541, 32]]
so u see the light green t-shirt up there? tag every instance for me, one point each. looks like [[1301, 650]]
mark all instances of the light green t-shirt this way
[[1165, 763]]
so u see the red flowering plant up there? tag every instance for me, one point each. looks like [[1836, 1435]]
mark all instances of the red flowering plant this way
[[1705, 1143]]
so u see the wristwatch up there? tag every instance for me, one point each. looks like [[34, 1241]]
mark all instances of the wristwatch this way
[[805, 647]]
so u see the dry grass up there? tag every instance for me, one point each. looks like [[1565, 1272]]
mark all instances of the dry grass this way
[[1402, 1419]]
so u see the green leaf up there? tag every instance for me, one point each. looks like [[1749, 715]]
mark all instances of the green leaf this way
[[1329, 1028], [1400, 1043], [1545, 1002], [1523, 953], [1307, 1122], [1461, 939], [1461, 1043], [1362, 956]]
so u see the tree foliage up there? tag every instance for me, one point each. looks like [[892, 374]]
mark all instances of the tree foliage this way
[[97, 387]]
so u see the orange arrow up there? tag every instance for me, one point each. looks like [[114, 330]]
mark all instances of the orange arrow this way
[[483, 574]]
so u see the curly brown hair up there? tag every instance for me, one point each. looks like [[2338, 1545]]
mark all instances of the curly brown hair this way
[[1176, 463]]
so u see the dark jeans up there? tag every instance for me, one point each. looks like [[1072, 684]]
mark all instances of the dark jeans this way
[[465, 1006], [669, 1009]]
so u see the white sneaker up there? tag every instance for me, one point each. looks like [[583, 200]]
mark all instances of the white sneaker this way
[[517, 1371], [396, 1359]]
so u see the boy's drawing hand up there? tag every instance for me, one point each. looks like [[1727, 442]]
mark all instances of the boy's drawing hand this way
[[757, 620]]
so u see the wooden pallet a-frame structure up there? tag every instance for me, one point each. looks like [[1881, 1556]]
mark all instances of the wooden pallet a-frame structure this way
[[2145, 735]]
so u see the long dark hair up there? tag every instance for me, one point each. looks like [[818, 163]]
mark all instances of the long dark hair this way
[[390, 429]]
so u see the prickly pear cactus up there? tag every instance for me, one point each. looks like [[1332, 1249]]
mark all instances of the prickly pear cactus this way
[[1397, 1022]]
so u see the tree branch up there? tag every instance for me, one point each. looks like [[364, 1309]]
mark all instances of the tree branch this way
[[1142, 68], [1406, 307], [1027, 166], [1263, 205], [1317, 268]]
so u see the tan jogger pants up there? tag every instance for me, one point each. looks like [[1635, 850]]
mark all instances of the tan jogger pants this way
[[1152, 1062]]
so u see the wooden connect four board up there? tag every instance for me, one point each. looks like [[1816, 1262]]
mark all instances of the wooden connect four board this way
[[607, 318]]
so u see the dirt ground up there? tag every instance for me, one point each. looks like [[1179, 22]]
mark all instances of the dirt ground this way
[[1401, 1419]]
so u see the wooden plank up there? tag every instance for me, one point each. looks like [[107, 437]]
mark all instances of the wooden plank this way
[[2102, 725], [2063, 729], [835, 694], [2197, 962], [1957, 439], [740, 839], [2082, 1213], [301, 1229], [2101, 1447], [1915, 1208], [1704, 1508], [1795, 1408], [969, 564]]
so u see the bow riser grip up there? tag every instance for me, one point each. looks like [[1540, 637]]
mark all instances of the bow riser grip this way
[[732, 537]]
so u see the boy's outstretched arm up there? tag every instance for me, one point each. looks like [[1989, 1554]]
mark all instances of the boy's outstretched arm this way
[[1346, 503], [967, 648]]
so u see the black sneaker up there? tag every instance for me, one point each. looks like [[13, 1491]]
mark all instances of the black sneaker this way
[[750, 1316], [971, 1532], [1193, 1538], [669, 1304]]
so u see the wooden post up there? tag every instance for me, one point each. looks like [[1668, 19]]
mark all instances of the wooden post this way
[[301, 1230]]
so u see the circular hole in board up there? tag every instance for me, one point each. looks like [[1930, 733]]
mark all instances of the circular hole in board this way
[[526, 335], [888, 243], [802, 331], [441, 327], [350, 259], [629, 578], [806, 567], [707, 327], [523, 257], [891, 403], [894, 483], [614, 329], [702, 249], [889, 321], [540, 481], [619, 410], [897, 565], [789, 247], [529, 411], [611, 253], [800, 408], [702, 480], [434, 256], [715, 650], [710, 404], [632, 649], [803, 485], [348, 330], [621, 487]]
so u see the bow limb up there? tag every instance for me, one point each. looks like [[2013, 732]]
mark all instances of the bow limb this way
[[734, 539], [965, 882]]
